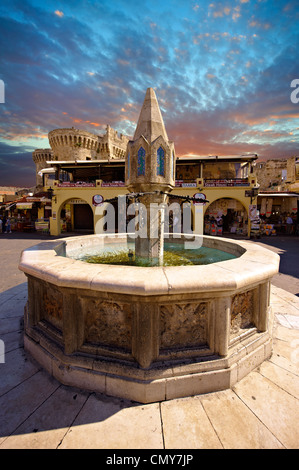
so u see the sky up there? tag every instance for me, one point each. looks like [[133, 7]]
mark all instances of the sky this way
[[222, 72]]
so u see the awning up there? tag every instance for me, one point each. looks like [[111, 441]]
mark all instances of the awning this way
[[7, 208], [38, 199], [278, 195], [46, 170]]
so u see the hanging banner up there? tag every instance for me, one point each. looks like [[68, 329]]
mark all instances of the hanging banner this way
[[269, 207], [263, 206], [252, 211]]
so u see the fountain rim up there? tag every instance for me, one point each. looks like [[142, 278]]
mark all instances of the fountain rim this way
[[46, 261]]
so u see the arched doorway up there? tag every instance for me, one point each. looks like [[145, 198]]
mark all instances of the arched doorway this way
[[226, 216], [76, 216], [83, 217]]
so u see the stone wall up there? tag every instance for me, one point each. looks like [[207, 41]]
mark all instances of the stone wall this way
[[270, 174]]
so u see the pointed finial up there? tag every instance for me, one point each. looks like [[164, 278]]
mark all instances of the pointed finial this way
[[150, 123]]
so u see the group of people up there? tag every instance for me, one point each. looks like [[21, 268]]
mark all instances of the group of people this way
[[5, 226]]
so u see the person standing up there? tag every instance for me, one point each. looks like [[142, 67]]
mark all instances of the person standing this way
[[289, 223], [8, 226]]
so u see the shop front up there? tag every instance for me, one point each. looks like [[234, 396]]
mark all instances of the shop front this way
[[76, 216], [278, 212], [26, 214], [226, 216]]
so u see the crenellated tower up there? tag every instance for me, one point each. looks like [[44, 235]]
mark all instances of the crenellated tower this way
[[77, 144], [40, 158]]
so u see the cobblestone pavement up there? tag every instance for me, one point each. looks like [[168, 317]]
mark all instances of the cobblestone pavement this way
[[36, 411]]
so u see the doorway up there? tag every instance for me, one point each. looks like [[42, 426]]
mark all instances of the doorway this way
[[83, 217]]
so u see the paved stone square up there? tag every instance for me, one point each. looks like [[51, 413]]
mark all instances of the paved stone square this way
[[37, 412]]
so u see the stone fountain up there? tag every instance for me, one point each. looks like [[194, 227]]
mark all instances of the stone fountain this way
[[156, 332]]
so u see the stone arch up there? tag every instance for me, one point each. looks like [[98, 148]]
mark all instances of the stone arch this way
[[233, 212], [81, 218]]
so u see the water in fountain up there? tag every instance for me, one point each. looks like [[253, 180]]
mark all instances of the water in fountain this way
[[124, 254]]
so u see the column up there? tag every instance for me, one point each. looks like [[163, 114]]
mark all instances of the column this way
[[145, 334], [222, 325], [73, 322]]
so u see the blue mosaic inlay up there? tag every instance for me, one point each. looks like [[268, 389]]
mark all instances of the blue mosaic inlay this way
[[141, 162], [160, 161]]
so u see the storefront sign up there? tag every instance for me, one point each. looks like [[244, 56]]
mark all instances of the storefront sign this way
[[200, 197], [188, 185], [97, 200], [225, 182], [78, 184], [182, 184], [76, 201], [112, 184]]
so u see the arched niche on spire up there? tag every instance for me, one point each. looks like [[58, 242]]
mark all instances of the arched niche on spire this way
[[161, 161], [137, 159], [163, 152], [141, 153]]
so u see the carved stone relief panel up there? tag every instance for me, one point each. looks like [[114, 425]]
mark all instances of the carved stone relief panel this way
[[52, 303], [108, 323], [183, 325], [241, 313]]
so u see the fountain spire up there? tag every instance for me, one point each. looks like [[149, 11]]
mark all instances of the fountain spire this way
[[150, 172], [150, 123]]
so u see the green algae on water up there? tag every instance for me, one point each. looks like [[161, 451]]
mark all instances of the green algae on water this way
[[121, 257]]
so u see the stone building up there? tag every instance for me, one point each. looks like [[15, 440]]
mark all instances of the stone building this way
[[271, 174], [278, 192]]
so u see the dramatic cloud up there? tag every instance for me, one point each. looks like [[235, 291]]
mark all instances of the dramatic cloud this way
[[222, 74], [17, 167]]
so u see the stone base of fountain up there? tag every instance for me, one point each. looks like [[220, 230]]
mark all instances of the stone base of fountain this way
[[148, 334]]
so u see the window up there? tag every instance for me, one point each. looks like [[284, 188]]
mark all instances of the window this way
[[141, 162], [160, 161]]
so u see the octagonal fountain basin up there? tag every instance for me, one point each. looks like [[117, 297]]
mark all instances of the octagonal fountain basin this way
[[148, 333]]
